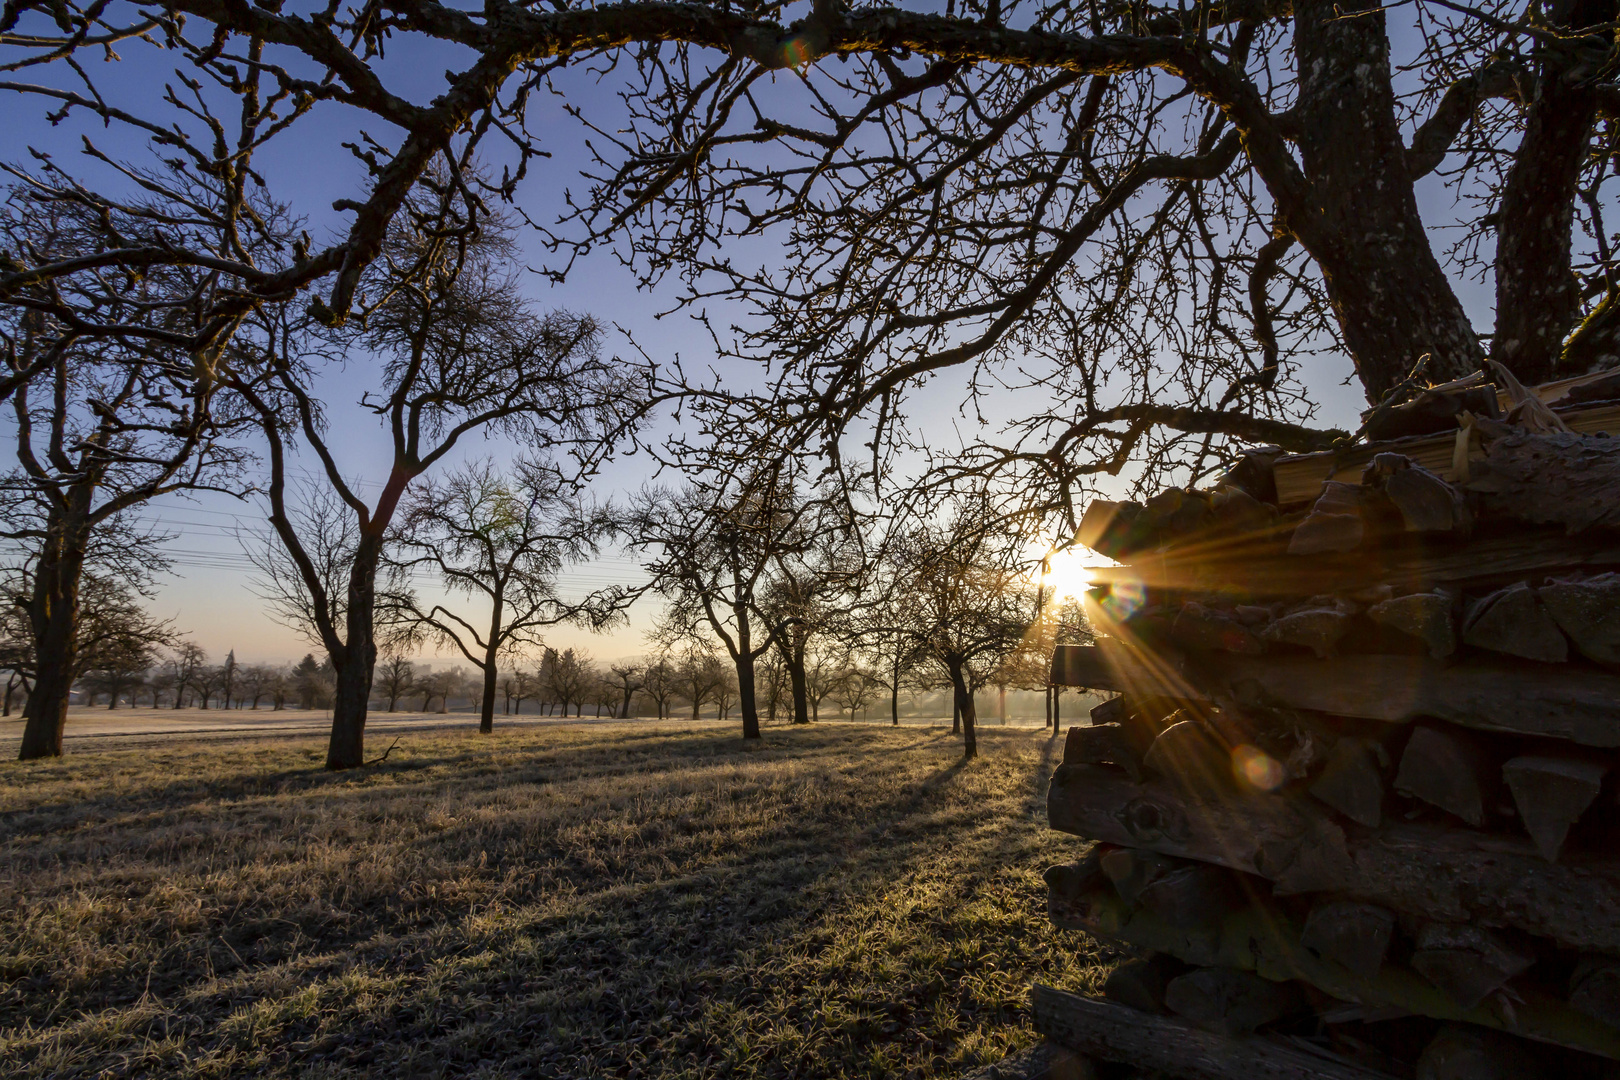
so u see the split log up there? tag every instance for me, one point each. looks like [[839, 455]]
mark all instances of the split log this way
[[1446, 768], [1595, 991], [1427, 503], [1469, 1053], [1261, 938], [1425, 616], [1139, 984], [1188, 754], [1200, 627], [1237, 512], [1230, 1002], [1298, 477], [1334, 524], [1112, 1032], [1316, 628], [1513, 621], [1252, 474], [1070, 881], [1175, 513], [1102, 744], [1350, 933], [1112, 711], [1113, 529], [1131, 870], [1575, 703], [1551, 794], [1559, 479], [1192, 895], [1589, 612], [1430, 411], [1467, 962], [1352, 781], [1427, 871]]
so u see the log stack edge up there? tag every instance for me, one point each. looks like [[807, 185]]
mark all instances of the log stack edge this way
[[1356, 804]]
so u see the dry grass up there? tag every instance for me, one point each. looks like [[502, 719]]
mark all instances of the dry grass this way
[[638, 900]]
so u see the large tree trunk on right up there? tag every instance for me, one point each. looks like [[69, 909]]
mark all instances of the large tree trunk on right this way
[[1538, 296], [1358, 214]]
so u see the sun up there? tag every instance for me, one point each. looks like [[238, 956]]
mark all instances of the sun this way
[[1065, 575]]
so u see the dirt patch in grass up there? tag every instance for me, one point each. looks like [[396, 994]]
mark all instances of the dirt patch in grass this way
[[636, 901]]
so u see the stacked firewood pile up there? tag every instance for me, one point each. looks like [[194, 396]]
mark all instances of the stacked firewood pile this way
[[1355, 803]]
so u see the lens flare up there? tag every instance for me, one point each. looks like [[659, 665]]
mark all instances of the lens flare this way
[[1125, 598], [796, 52], [1257, 768]]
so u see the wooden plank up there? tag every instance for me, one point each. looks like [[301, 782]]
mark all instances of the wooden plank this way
[[1300, 477], [1112, 1032], [1577, 703], [1430, 872]]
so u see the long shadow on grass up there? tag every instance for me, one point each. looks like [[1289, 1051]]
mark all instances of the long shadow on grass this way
[[669, 924]]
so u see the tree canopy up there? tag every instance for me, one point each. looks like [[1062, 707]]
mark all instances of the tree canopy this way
[[1153, 213]]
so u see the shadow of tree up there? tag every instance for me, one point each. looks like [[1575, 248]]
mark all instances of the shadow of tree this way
[[663, 904]]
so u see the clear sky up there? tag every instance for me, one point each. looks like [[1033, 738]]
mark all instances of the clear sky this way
[[210, 593]]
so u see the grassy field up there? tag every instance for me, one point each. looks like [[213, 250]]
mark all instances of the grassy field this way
[[638, 900]]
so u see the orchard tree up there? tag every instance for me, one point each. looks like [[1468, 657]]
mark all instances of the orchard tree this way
[[461, 353], [963, 600], [395, 678], [501, 542]]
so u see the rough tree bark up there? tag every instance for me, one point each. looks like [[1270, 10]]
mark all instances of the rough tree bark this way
[[966, 712], [53, 614]]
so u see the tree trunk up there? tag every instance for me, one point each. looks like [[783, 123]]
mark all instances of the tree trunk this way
[[965, 712], [1389, 292], [53, 615], [744, 662], [486, 715], [793, 656], [894, 703], [1537, 295], [356, 661], [956, 712], [1049, 705]]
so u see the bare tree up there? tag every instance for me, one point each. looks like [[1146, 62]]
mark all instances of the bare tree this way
[[395, 678], [661, 684], [962, 598], [96, 434], [712, 547], [567, 676], [699, 676], [462, 353], [257, 682], [852, 689], [500, 542], [626, 680], [118, 666]]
